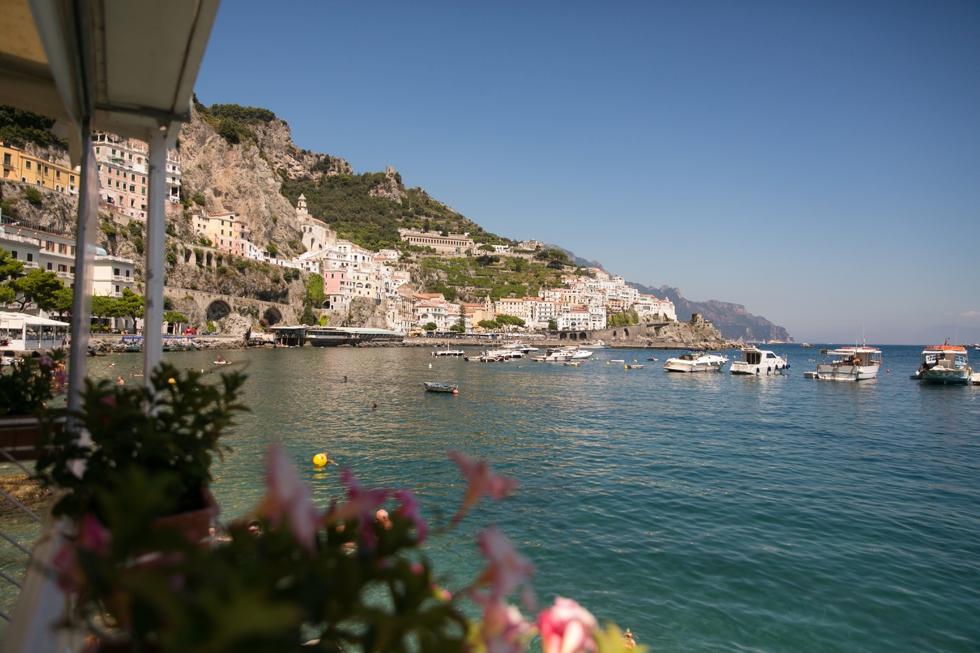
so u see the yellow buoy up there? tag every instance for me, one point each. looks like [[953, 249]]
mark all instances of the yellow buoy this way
[[320, 459], [607, 362]]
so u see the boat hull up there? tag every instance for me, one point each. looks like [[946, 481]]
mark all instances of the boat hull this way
[[945, 377], [739, 367], [690, 367], [846, 372]]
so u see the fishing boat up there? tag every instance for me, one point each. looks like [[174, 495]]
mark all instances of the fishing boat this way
[[757, 361], [847, 364], [944, 364], [695, 360], [431, 386]]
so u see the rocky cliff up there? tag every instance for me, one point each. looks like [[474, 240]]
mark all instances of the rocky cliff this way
[[732, 320], [246, 177]]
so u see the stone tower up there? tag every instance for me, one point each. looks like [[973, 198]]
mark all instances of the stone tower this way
[[389, 171], [301, 211]]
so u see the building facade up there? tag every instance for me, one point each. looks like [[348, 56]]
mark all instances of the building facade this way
[[20, 166]]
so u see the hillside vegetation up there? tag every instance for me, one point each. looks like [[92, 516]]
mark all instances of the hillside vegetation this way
[[474, 278]]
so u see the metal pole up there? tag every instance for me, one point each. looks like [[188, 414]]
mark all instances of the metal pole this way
[[88, 211], [155, 242]]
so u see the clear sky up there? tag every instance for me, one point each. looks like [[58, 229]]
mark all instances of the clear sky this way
[[817, 162]]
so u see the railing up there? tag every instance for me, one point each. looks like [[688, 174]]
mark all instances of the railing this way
[[6, 456]]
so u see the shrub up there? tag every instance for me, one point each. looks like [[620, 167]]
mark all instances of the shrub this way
[[9, 207], [33, 195], [199, 199]]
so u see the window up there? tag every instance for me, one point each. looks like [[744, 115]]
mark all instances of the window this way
[[30, 257], [115, 271], [96, 150], [62, 268], [27, 164], [6, 159], [127, 274], [71, 179], [57, 174], [13, 253], [72, 269], [50, 266], [117, 289]]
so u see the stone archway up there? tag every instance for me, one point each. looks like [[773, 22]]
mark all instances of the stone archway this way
[[272, 316], [626, 333], [583, 336], [217, 310], [573, 336]]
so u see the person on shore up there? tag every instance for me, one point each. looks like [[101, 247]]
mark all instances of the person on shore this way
[[345, 378]]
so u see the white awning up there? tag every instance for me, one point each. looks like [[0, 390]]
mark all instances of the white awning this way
[[10, 320], [130, 65]]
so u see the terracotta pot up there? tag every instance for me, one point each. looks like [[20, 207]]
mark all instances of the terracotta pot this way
[[18, 437], [194, 524]]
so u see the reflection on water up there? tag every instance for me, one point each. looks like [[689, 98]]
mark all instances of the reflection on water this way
[[705, 512]]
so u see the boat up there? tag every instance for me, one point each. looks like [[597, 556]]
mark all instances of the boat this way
[[595, 344], [220, 362], [633, 367], [944, 364], [556, 354], [580, 354], [573, 363], [806, 345], [695, 360], [449, 352], [431, 386], [975, 378], [757, 361], [655, 360], [847, 364]]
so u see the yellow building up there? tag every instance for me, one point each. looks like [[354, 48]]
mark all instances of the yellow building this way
[[20, 166]]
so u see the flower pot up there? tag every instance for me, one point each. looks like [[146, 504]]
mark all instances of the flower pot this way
[[18, 437], [194, 524]]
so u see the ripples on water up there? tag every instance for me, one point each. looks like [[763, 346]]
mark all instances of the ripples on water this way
[[705, 512]]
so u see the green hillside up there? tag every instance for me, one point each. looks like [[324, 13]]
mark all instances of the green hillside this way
[[343, 202], [474, 278]]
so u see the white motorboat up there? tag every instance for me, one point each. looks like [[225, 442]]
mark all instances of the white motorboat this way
[[847, 364], [449, 352], [561, 354], [695, 360], [758, 362], [595, 344], [944, 365]]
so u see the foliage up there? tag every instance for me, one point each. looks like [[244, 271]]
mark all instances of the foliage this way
[[553, 256], [246, 115], [30, 383], [130, 304], [37, 287], [457, 328], [552, 324], [343, 202], [430, 326], [509, 320], [9, 266], [489, 324], [8, 207], [170, 257], [486, 248], [103, 306], [622, 319], [199, 199], [307, 317], [448, 292], [171, 428], [272, 248], [21, 127], [33, 195], [63, 301], [135, 228], [173, 317], [314, 290]]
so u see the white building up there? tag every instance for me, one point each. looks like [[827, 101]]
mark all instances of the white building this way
[[123, 170]]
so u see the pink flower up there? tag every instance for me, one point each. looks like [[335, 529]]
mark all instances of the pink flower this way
[[288, 496], [93, 536], [502, 628], [45, 361], [482, 481], [506, 569], [567, 627], [65, 566], [409, 509], [417, 568], [361, 504]]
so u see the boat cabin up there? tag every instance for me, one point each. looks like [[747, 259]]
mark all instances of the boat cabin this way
[[945, 356], [855, 356]]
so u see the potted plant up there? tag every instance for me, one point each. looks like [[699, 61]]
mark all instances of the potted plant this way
[[170, 432], [24, 390]]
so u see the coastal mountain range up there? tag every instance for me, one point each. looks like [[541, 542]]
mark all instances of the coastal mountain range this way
[[243, 159]]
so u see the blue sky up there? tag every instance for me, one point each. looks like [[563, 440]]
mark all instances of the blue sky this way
[[818, 163]]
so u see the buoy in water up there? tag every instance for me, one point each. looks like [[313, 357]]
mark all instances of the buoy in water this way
[[888, 371], [455, 391], [607, 362], [430, 366], [320, 459]]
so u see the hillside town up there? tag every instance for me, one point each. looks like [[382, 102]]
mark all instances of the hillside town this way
[[349, 272]]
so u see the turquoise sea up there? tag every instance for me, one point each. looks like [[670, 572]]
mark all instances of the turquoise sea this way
[[705, 512]]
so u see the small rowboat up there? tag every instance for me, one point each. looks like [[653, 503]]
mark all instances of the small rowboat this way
[[633, 367], [221, 362], [617, 360], [439, 387]]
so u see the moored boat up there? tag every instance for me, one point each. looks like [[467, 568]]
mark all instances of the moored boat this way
[[757, 361], [944, 364], [847, 364], [695, 360], [431, 386]]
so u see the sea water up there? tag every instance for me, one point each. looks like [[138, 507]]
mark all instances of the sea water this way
[[703, 511]]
